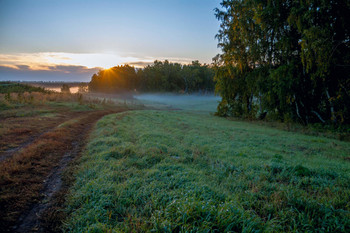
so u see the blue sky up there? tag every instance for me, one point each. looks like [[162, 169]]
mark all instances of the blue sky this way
[[48, 35]]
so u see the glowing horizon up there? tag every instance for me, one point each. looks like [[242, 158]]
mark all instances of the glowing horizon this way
[[34, 35], [41, 61]]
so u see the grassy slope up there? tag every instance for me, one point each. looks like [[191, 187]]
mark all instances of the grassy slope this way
[[193, 103], [36, 131], [13, 87], [176, 171]]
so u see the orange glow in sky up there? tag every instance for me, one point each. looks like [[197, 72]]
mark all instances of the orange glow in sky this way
[[40, 61]]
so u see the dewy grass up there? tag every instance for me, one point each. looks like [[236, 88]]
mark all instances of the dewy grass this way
[[174, 171]]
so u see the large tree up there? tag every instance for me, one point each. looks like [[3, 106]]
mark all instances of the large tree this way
[[287, 58]]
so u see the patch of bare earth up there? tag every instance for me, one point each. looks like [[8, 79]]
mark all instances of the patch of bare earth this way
[[18, 132], [31, 186]]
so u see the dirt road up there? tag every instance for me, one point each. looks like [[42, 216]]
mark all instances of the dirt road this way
[[32, 180]]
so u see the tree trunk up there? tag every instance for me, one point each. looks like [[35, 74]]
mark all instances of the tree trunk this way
[[334, 119], [319, 116]]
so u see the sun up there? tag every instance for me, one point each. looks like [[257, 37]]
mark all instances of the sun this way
[[89, 60]]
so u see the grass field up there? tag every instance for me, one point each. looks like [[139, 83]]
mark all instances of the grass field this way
[[162, 170], [193, 103], [167, 171], [40, 132]]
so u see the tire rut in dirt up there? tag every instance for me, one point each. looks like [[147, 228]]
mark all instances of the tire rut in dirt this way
[[32, 210], [31, 221]]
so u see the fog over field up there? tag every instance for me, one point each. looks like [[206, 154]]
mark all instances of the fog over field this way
[[174, 116], [193, 102]]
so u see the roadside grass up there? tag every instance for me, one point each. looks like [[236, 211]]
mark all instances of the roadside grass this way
[[11, 87], [13, 100], [23, 175], [18, 127], [168, 171], [36, 130], [25, 115]]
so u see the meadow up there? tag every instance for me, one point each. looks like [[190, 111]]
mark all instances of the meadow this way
[[174, 116], [40, 133], [198, 103], [166, 171], [162, 163]]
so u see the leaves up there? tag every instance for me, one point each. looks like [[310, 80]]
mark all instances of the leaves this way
[[160, 76], [293, 58]]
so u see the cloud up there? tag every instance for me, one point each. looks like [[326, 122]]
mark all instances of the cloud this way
[[150, 61], [40, 61], [140, 63], [45, 60], [6, 68], [56, 68], [23, 67], [61, 66], [48, 73], [72, 69]]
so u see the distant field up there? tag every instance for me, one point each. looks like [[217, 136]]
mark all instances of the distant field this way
[[56, 86], [40, 132], [193, 103], [170, 166], [167, 171]]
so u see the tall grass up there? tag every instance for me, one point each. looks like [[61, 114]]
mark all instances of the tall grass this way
[[34, 99], [176, 171], [12, 87]]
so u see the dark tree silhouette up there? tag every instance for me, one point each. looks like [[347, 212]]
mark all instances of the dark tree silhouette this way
[[65, 88], [158, 77], [290, 59]]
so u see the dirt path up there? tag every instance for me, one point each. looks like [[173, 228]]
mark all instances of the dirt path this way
[[22, 131], [10, 152], [31, 220], [31, 185]]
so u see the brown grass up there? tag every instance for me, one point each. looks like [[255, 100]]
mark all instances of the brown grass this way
[[28, 115], [23, 175], [36, 131], [15, 131], [39, 98]]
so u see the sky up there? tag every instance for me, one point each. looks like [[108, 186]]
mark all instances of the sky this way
[[69, 40]]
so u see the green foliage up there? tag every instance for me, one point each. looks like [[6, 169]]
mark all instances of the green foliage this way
[[12, 87], [171, 171], [292, 58], [65, 89], [114, 79], [159, 77], [80, 98]]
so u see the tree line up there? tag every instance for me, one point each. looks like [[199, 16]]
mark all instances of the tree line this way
[[157, 77], [286, 59]]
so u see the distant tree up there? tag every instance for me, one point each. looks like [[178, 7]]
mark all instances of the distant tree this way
[[160, 76], [65, 88], [118, 78], [82, 88]]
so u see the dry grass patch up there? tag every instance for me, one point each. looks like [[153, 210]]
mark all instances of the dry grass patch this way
[[23, 175]]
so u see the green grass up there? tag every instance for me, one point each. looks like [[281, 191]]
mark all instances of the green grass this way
[[49, 109], [76, 106], [176, 171], [13, 87], [193, 103]]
